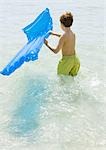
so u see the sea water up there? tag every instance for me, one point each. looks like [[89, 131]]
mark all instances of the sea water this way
[[38, 109]]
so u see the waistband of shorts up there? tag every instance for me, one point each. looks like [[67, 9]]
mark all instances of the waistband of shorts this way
[[69, 56]]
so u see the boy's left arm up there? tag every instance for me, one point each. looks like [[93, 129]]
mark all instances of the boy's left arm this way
[[59, 46]]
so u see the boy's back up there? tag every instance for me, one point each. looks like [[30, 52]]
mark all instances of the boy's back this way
[[69, 44]]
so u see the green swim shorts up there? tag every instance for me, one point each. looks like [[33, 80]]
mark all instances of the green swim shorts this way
[[68, 65]]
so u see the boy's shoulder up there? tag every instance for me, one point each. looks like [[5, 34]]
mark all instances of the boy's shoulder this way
[[63, 36], [70, 34]]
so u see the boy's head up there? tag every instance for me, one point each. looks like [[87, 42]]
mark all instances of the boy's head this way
[[66, 19]]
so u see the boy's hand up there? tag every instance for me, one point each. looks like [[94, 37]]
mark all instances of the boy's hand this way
[[51, 33], [46, 42]]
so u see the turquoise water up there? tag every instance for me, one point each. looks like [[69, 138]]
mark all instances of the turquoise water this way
[[38, 109]]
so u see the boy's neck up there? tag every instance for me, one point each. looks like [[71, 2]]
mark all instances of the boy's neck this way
[[67, 29]]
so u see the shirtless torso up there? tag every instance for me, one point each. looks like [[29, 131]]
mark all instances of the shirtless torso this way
[[69, 44]]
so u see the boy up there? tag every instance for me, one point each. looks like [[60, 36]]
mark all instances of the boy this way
[[69, 64]]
